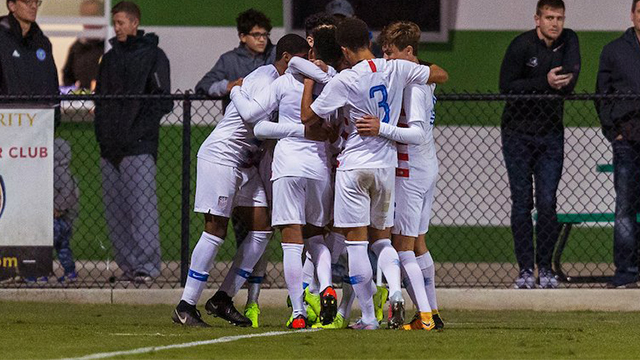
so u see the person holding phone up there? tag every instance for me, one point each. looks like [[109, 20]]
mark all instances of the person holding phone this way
[[545, 60]]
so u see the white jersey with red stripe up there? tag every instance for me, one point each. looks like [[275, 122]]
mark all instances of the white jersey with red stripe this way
[[232, 142], [371, 87], [418, 161]]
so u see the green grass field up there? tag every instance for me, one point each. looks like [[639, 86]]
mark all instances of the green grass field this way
[[50, 331]]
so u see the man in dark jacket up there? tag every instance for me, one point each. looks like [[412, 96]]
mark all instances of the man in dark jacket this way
[[127, 132], [26, 60], [620, 73], [543, 60], [255, 50]]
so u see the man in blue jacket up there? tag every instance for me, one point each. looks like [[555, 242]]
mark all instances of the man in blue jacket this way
[[127, 132], [620, 73], [26, 60]]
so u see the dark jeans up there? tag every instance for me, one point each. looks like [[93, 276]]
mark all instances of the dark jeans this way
[[532, 158], [62, 229], [626, 176]]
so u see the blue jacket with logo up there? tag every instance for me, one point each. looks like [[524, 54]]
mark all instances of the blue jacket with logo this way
[[524, 70], [26, 63]]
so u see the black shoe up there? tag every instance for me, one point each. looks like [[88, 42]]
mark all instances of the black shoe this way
[[615, 285], [187, 315], [328, 305], [437, 321], [623, 280], [221, 305]]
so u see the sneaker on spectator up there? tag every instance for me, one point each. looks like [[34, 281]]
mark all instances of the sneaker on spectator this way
[[126, 276], [68, 277], [35, 280], [623, 280], [547, 279], [525, 280], [142, 278]]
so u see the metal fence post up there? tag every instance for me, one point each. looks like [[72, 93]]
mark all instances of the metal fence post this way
[[186, 189]]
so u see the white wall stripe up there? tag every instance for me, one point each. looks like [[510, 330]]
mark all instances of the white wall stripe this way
[[224, 339]]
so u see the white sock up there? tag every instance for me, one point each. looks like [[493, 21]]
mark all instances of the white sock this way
[[337, 246], [429, 273], [256, 279], [292, 262], [202, 259], [346, 302], [408, 286], [360, 276], [389, 263], [321, 257], [309, 274], [414, 274], [247, 256]]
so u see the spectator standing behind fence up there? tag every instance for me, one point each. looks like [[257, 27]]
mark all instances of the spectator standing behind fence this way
[[83, 60], [255, 50], [65, 201], [620, 73], [543, 60], [26, 60], [127, 132]]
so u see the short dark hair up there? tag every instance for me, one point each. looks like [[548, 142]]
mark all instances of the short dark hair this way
[[246, 20], [128, 7], [353, 34], [292, 44], [633, 6], [325, 46], [401, 34], [554, 4], [317, 19]]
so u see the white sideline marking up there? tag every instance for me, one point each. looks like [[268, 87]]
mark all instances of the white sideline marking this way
[[223, 339]]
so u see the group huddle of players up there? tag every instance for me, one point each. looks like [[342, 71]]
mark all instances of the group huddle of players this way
[[334, 147]]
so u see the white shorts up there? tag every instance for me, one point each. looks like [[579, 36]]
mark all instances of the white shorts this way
[[299, 200], [220, 188], [414, 199], [364, 197]]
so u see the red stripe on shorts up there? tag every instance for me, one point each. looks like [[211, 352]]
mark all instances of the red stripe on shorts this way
[[402, 172]]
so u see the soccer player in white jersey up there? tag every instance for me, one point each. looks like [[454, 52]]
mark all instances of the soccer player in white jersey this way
[[227, 178], [416, 174], [302, 187], [364, 195]]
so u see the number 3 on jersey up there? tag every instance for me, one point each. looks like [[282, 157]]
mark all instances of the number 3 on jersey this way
[[382, 103]]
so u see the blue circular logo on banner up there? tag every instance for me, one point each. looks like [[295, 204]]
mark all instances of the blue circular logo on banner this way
[[2, 196], [41, 54]]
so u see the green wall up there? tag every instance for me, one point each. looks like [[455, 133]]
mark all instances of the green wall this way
[[204, 12]]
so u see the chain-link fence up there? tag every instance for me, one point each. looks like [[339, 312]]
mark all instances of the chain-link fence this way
[[472, 229]]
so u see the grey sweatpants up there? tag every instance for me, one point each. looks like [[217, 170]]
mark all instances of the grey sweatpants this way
[[131, 209]]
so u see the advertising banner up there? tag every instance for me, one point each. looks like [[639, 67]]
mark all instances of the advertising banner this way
[[26, 191]]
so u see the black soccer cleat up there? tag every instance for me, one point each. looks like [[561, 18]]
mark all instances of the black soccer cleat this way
[[187, 315], [328, 305], [437, 321], [221, 305]]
